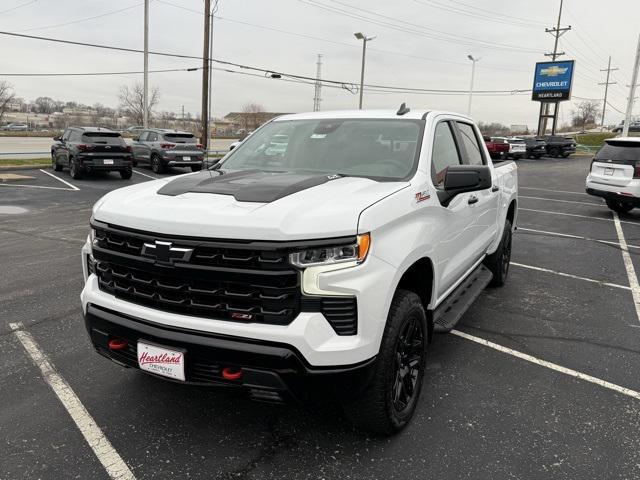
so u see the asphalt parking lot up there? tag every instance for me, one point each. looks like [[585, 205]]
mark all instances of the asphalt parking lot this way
[[539, 380]]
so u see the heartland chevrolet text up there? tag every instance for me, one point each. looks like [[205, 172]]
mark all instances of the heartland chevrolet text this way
[[319, 256]]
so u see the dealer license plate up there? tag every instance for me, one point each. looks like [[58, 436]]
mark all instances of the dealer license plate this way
[[161, 360], [609, 171], [107, 162], [186, 159]]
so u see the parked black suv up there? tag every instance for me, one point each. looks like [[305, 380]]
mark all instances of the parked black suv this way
[[536, 147], [163, 148], [558, 146], [88, 149]]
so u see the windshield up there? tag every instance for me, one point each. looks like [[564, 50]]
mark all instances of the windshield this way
[[373, 148]]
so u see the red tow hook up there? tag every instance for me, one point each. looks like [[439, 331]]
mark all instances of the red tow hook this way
[[117, 344], [229, 373]]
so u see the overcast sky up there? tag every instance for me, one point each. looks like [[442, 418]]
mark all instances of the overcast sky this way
[[410, 50]]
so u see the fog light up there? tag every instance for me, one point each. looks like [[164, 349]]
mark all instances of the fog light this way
[[229, 373]]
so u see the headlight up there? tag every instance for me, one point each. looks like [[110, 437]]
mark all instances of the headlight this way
[[330, 255]]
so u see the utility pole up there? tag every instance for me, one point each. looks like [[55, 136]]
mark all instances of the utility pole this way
[[145, 87], [557, 32], [606, 89], [317, 96], [632, 92], [183, 127], [205, 74], [208, 144]]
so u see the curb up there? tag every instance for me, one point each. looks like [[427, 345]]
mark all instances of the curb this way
[[24, 167]]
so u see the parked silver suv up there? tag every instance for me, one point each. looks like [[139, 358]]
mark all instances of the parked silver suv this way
[[162, 148]]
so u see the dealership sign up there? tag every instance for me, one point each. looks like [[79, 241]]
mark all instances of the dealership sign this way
[[552, 81]]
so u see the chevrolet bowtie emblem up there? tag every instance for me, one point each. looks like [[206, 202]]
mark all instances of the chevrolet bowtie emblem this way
[[165, 252]]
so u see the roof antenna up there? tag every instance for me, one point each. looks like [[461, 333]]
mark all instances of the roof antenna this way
[[403, 109]]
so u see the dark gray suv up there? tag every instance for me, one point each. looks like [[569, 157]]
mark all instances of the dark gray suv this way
[[162, 148]]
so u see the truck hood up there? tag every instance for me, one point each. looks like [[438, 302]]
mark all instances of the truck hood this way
[[248, 205]]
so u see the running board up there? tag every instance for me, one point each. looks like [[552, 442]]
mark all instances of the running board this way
[[450, 311]]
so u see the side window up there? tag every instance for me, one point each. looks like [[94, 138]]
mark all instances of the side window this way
[[75, 136], [66, 135], [152, 137], [445, 153], [470, 143], [143, 136]]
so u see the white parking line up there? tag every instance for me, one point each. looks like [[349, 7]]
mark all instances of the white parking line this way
[[549, 190], [568, 275], [628, 265], [60, 180], [563, 201], [116, 468], [577, 237], [35, 186], [553, 366], [576, 215], [145, 175]]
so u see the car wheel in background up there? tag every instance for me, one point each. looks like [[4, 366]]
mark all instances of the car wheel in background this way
[[55, 165], [565, 155], [554, 152], [498, 262], [74, 170], [196, 168], [156, 164], [618, 206], [126, 174], [389, 400]]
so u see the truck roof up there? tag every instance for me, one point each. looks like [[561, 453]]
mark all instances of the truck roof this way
[[389, 114]]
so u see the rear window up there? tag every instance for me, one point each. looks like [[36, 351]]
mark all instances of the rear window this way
[[107, 138], [180, 137], [619, 151]]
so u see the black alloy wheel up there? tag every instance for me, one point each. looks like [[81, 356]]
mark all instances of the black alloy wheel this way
[[409, 365]]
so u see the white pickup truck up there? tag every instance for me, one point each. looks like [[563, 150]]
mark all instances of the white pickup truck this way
[[321, 266]]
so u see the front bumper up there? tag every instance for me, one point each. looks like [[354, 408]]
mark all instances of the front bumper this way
[[617, 196], [270, 371]]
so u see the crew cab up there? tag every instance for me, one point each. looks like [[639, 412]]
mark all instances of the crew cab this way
[[162, 149], [497, 147], [615, 174], [320, 267], [91, 149]]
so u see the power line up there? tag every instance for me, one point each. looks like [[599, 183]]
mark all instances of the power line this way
[[87, 74], [414, 29], [249, 67], [498, 14], [18, 6], [80, 20], [479, 16]]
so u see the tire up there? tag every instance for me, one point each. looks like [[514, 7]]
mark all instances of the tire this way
[[55, 165], [498, 262], [554, 152], [126, 174], [565, 155], [619, 207], [388, 402], [156, 164], [74, 170], [196, 168]]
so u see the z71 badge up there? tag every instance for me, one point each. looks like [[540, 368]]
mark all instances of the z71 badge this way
[[422, 196]]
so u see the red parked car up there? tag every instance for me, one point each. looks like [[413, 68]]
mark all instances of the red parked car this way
[[498, 148]]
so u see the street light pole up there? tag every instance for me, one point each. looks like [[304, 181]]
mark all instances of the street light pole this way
[[365, 39], [473, 74]]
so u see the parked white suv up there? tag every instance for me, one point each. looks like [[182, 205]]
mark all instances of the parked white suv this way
[[322, 266], [615, 173]]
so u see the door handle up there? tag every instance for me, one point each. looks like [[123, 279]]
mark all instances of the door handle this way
[[495, 188], [472, 199]]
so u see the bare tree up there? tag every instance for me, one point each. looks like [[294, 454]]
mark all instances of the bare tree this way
[[6, 97], [586, 113], [45, 105], [251, 115], [132, 101]]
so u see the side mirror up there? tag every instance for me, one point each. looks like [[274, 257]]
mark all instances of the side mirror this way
[[464, 178], [136, 138], [57, 139]]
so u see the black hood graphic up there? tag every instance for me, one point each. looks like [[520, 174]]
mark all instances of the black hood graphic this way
[[246, 186]]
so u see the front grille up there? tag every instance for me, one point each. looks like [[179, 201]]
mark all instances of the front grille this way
[[218, 280]]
